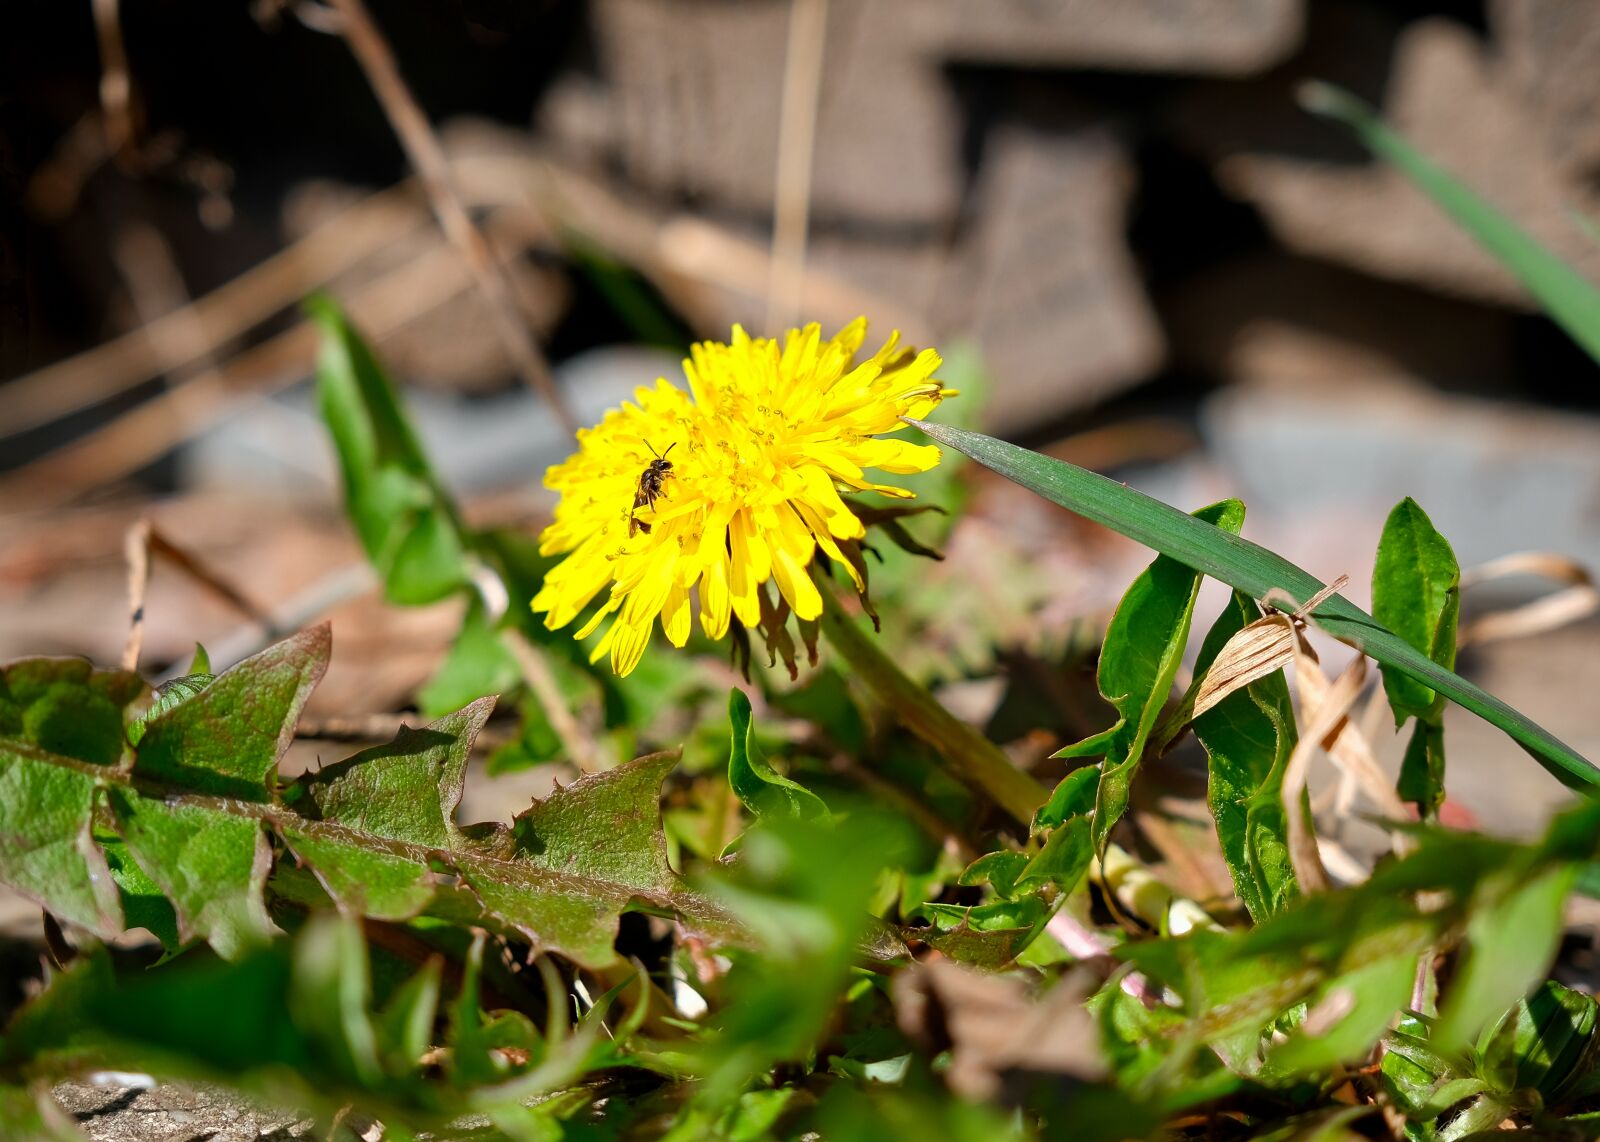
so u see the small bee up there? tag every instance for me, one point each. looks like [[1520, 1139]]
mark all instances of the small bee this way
[[649, 487]]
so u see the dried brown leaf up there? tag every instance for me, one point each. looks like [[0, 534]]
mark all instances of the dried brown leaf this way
[[992, 1024], [1264, 646], [1578, 599]]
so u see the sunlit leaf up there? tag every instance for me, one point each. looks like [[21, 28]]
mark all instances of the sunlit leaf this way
[[1257, 572]]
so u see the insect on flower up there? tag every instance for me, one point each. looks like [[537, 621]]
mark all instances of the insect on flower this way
[[778, 435], [649, 487]]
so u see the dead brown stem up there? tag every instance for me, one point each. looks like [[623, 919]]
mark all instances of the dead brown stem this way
[[427, 157]]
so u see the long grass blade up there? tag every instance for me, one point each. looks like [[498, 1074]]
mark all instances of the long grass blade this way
[[1566, 295], [1254, 570]]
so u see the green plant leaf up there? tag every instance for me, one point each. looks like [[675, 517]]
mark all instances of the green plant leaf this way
[[1236, 984], [1075, 794], [374, 835], [1064, 859], [65, 706], [407, 790], [1256, 571], [47, 847], [408, 525], [1416, 592], [210, 866], [1544, 1043], [1512, 934], [997, 869], [1248, 737], [759, 787], [227, 738], [1564, 293], [1139, 660]]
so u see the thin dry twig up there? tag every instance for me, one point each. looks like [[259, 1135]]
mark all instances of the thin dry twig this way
[[797, 130], [205, 326], [136, 544], [141, 545], [116, 84], [422, 147], [161, 423]]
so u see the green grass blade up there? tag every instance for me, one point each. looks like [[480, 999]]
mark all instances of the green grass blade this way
[[1253, 569], [1566, 295]]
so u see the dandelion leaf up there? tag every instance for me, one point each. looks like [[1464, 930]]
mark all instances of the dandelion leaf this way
[[211, 866], [226, 740], [47, 848], [406, 790]]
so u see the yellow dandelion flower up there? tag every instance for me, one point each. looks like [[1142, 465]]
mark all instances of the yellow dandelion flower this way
[[750, 464]]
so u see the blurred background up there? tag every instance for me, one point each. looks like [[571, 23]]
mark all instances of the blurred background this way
[[1112, 214]]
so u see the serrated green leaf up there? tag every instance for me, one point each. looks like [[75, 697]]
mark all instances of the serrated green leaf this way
[[1139, 660], [999, 869], [375, 835], [1571, 300], [759, 787], [1074, 795], [1416, 592], [406, 790], [211, 867], [605, 825], [1256, 571], [1064, 859], [227, 738], [361, 879], [1248, 737], [988, 949], [407, 523], [47, 848], [66, 707]]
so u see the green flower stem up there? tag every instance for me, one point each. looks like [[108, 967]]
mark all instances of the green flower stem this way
[[970, 756]]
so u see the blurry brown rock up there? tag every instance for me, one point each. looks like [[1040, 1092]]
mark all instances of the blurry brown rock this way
[[1549, 51], [1049, 289], [688, 95], [1213, 36], [1277, 321], [1448, 99], [690, 101]]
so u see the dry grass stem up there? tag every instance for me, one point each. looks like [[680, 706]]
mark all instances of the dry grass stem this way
[[422, 147], [161, 423], [205, 326], [797, 129], [136, 545], [1322, 718]]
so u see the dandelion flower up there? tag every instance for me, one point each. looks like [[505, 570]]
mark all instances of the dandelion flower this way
[[756, 454]]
